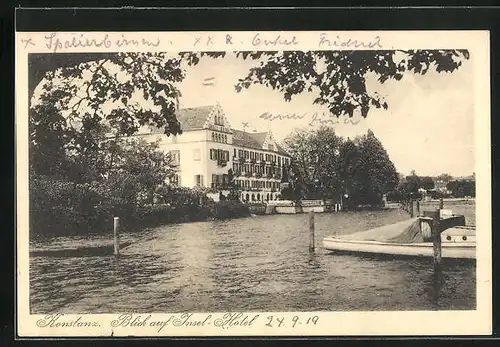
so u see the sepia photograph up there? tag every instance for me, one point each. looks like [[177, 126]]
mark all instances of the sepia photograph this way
[[247, 181]]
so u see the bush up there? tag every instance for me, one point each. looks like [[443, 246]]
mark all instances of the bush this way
[[65, 208], [229, 209]]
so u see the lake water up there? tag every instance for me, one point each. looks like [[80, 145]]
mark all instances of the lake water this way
[[259, 263]]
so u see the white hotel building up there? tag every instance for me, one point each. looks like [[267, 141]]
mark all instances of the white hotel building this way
[[208, 147]]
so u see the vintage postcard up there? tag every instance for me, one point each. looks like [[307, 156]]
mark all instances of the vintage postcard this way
[[253, 183]]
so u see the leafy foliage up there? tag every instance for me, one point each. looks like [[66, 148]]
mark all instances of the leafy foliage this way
[[444, 178], [462, 188], [328, 166], [338, 78], [315, 157], [427, 182], [81, 91], [375, 171], [408, 187]]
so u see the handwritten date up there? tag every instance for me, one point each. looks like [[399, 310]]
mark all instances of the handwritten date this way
[[278, 322]]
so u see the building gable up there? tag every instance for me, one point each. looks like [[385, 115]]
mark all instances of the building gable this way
[[217, 120], [269, 144]]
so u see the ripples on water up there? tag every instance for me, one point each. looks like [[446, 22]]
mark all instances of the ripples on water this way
[[252, 264]]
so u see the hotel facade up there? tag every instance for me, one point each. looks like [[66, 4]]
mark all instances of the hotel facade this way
[[208, 147]]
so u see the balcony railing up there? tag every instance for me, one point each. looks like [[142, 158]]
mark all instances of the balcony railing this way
[[221, 163], [222, 186]]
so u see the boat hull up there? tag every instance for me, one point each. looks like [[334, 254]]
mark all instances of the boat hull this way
[[463, 250]]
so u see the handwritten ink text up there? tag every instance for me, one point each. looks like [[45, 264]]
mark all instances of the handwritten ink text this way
[[276, 41], [324, 40]]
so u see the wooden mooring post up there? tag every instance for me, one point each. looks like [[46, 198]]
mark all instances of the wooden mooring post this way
[[441, 204], [411, 208], [436, 238], [116, 238], [418, 207], [311, 232]]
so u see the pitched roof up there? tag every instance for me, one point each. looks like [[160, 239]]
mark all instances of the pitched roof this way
[[189, 118], [193, 118], [281, 150], [253, 140]]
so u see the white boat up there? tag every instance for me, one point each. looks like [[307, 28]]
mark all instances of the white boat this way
[[408, 239]]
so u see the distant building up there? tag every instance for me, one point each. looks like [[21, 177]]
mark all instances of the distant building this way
[[208, 147]]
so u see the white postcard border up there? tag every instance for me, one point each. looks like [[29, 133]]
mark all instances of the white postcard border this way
[[329, 323]]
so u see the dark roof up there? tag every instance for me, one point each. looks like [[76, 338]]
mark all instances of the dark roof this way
[[281, 150], [253, 140], [193, 118]]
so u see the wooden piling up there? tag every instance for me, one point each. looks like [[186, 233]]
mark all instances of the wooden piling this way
[[116, 238], [436, 238], [418, 207], [441, 204], [411, 208], [311, 232]]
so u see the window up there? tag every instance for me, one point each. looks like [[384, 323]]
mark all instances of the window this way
[[175, 157], [213, 136], [198, 180], [219, 154], [175, 180], [196, 154], [270, 147], [235, 152]]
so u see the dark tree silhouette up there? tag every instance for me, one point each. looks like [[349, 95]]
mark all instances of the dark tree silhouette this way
[[338, 78]]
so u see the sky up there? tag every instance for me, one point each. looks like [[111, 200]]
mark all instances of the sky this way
[[428, 127]]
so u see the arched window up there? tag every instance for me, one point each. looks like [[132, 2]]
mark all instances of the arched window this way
[[247, 197], [267, 197], [253, 197], [258, 197]]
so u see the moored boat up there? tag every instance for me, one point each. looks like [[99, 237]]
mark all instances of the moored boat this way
[[410, 238]]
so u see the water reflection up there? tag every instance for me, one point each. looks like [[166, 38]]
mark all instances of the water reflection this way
[[251, 264]]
